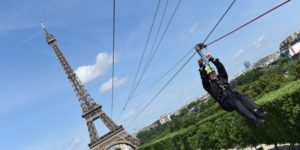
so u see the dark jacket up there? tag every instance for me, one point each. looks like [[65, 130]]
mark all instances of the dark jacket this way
[[219, 89]]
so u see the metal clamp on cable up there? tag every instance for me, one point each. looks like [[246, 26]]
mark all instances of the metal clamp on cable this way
[[200, 46]]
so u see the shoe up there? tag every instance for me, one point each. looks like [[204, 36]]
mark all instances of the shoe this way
[[260, 114], [264, 115]]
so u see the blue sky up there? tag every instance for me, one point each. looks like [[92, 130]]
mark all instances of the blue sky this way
[[38, 107]]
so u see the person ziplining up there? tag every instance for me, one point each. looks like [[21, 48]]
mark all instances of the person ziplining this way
[[216, 84]]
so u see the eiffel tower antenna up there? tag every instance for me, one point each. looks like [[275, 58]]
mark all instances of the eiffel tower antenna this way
[[43, 26], [90, 109]]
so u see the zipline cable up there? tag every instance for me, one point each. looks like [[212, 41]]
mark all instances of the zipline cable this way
[[162, 37], [213, 29], [148, 104], [169, 81], [189, 51], [151, 51], [151, 56], [200, 53], [141, 60], [240, 27], [113, 61], [163, 75], [247, 23]]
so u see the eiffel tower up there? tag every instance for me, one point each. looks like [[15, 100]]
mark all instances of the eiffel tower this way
[[92, 111]]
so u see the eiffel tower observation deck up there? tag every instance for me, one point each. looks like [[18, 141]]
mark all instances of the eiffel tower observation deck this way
[[91, 110]]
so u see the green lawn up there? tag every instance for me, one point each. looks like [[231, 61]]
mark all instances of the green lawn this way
[[270, 100]]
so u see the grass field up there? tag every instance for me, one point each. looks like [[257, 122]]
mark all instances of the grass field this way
[[223, 128]]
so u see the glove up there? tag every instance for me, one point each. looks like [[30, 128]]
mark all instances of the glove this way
[[200, 62], [209, 57]]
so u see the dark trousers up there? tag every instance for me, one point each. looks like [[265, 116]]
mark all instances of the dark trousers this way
[[242, 104]]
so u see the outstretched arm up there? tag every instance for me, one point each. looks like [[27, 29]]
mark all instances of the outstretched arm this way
[[204, 76], [220, 67]]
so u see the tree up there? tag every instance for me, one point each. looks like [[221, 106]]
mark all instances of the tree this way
[[250, 76], [183, 112]]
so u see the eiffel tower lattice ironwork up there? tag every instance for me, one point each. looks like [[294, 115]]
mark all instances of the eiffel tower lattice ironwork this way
[[91, 110]]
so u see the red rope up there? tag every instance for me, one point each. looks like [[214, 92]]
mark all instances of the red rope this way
[[249, 22]]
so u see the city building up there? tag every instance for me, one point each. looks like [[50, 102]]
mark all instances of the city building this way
[[290, 47], [203, 97], [177, 112], [151, 126], [247, 64], [294, 50], [267, 60], [165, 118]]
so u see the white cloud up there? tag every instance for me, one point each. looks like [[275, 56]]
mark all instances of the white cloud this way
[[260, 41], [92, 72], [74, 144], [192, 31], [107, 86], [194, 28], [238, 53], [130, 115]]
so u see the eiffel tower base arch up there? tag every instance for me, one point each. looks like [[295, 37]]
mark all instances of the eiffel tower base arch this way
[[120, 136]]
